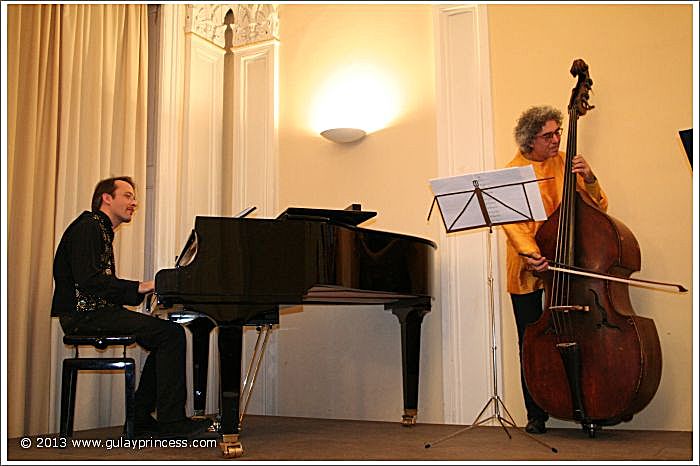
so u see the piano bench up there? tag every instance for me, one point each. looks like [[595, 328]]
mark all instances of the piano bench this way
[[69, 376]]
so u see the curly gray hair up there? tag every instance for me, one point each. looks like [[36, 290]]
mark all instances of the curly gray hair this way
[[531, 122]]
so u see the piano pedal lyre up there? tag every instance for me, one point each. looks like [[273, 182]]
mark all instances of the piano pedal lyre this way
[[264, 332]]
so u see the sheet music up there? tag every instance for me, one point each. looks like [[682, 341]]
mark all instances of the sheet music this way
[[510, 195]]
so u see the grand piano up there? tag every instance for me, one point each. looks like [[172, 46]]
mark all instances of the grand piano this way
[[237, 272]]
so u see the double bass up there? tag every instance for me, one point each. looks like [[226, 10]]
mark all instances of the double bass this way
[[589, 358]]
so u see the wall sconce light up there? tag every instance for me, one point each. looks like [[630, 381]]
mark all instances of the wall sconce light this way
[[355, 96], [343, 135]]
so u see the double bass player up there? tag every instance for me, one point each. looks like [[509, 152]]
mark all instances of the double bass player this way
[[538, 134]]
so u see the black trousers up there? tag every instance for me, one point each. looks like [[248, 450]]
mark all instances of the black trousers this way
[[162, 386], [527, 309]]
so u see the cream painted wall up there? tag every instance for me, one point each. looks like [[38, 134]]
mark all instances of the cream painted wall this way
[[640, 59], [345, 362]]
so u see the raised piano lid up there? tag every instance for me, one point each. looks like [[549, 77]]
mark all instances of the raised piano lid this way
[[190, 250], [350, 216]]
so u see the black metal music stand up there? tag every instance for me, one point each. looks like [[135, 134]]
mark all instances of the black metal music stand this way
[[489, 211]]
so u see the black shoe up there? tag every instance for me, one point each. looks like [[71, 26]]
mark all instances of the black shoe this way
[[535, 426], [145, 426], [184, 429]]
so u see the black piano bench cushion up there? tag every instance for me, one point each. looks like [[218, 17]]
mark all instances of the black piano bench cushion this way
[[99, 342]]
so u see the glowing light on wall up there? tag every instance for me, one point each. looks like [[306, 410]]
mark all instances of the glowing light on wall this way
[[357, 96]]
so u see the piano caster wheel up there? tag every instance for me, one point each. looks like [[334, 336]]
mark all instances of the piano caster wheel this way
[[231, 447], [409, 418], [232, 451]]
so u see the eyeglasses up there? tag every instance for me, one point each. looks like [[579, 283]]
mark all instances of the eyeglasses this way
[[548, 136]]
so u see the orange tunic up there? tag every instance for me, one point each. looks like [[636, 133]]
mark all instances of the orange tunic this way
[[520, 237]]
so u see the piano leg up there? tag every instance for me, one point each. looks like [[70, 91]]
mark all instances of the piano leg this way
[[410, 318], [200, 327], [230, 353]]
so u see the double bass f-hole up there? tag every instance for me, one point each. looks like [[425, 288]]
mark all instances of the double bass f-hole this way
[[603, 313]]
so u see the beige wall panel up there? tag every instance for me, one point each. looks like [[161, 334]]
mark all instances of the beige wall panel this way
[[465, 145], [254, 129], [201, 179]]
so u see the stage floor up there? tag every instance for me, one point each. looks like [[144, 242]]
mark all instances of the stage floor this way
[[270, 438]]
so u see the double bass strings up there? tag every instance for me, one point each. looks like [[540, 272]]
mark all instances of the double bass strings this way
[[561, 282]]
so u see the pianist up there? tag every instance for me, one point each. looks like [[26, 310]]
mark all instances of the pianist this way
[[88, 299]]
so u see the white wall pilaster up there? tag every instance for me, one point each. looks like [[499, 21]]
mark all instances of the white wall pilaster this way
[[465, 145]]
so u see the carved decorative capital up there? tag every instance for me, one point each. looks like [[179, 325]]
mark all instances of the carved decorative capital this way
[[250, 23]]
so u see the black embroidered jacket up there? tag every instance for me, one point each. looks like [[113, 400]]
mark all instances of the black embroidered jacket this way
[[83, 269]]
